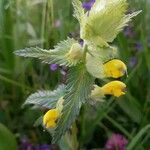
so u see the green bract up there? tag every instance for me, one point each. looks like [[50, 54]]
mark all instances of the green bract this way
[[105, 20], [97, 57], [98, 28]]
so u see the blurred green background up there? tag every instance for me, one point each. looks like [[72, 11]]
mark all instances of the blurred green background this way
[[43, 23]]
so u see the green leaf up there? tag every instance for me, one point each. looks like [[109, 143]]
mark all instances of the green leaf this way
[[38, 122], [56, 55], [97, 57], [139, 135], [78, 88], [7, 139], [35, 52], [131, 107], [46, 99], [78, 11], [105, 21]]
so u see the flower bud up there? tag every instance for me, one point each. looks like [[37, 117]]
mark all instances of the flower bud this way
[[115, 68], [50, 118], [75, 54]]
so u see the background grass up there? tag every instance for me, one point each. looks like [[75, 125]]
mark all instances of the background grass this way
[[36, 23]]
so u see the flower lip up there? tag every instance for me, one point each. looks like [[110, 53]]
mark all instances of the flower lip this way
[[124, 71], [124, 90]]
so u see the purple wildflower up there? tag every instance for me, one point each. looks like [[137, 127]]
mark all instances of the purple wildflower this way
[[54, 67], [42, 147], [133, 61], [87, 5], [81, 42], [116, 142], [128, 32], [138, 47], [25, 144]]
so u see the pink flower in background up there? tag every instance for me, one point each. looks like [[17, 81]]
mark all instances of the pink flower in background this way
[[57, 23], [116, 142]]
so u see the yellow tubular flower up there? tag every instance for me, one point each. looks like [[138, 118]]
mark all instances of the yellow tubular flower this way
[[50, 118], [115, 68], [115, 88]]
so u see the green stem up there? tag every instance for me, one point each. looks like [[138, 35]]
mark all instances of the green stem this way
[[118, 126], [70, 138], [74, 137], [13, 82], [43, 23], [100, 115], [52, 12]]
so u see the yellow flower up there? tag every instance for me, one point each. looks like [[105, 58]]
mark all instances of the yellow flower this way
[[50, 118], [115, 88], [115, 68]]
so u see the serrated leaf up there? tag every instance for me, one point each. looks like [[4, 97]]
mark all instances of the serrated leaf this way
[[97, 57], [33, 52], [106, 19], [54, 56], [78, 88], [46, 99], [78, 11]]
